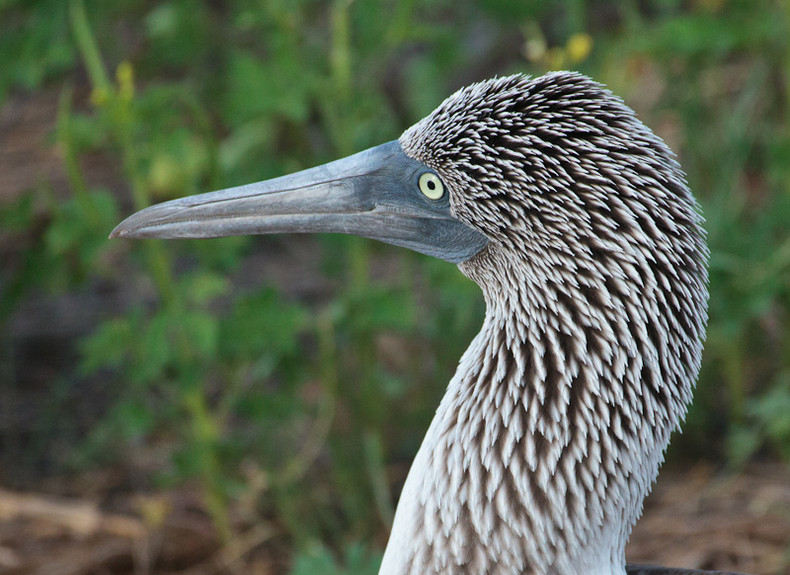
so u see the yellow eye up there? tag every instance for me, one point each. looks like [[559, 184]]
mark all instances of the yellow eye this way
[[431, 186]]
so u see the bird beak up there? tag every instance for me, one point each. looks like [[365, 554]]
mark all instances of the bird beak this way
[[373, 194]]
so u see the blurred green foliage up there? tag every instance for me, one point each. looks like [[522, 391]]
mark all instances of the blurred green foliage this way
[[313, 407]]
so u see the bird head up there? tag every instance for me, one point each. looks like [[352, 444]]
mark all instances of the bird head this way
[[556, 171], [553, 172]]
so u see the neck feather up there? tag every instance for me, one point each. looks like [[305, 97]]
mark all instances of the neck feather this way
[[545, 444]]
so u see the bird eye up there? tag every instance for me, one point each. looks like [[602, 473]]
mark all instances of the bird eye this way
[[431, 186]]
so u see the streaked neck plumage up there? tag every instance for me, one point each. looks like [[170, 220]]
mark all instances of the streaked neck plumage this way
[[553, 428], [541, 452]]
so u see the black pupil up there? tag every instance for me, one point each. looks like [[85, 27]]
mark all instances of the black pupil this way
[[431, 185]]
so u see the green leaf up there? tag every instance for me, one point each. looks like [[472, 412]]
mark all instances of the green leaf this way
[[17, 215], [108, 347], [202, 330], [134, 418], [262, 87], [153, 346], [262, 324], [202, 286], [358, 559]]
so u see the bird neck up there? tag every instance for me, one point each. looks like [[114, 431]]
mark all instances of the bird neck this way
[[538, 458]]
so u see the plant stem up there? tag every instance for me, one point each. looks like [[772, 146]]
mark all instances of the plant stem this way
[[205, 433], [88, 48], [204, 427], [367, 424]]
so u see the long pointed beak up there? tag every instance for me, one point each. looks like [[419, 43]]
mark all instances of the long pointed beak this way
[[374, 194]]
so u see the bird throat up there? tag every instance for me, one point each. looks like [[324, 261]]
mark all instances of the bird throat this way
[[540, 453]]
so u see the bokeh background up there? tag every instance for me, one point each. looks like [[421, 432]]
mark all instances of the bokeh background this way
[[252, 405]]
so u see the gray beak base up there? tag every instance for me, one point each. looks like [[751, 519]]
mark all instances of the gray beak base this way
[[373, 194]]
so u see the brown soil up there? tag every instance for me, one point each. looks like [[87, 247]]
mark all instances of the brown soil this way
[[693, 519]]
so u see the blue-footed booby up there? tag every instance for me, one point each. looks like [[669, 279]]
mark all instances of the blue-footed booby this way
[[578, 225]]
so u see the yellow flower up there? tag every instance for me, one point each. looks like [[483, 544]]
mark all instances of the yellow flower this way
[[99, 97], [125, 76], [578, 47]]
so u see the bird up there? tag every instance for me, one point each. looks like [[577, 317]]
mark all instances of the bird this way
[[578, 224]]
